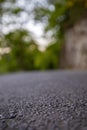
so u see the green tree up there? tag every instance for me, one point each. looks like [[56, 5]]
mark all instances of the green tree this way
[[49, 58], [23, 50]]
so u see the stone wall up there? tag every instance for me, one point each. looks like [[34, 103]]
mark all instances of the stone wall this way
[[74, 53]]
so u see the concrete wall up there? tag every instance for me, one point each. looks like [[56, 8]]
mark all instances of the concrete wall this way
[[74, 53]]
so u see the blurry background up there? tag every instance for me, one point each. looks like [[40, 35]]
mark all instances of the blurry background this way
[[43, 34]]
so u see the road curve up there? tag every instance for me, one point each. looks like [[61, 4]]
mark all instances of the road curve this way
[[52, 100]]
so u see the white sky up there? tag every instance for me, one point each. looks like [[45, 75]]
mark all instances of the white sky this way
[[37, 31]]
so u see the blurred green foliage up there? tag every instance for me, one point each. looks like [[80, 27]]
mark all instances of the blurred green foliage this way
[[49, 58], [23, 53]]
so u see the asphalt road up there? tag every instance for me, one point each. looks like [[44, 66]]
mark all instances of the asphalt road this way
[[54, 100]]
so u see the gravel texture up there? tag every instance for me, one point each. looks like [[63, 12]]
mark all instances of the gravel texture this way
[[53, 100]]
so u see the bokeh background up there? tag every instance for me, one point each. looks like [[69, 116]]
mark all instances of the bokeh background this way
[[43, 35]]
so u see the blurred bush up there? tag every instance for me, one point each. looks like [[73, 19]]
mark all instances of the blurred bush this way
[[22, 51]]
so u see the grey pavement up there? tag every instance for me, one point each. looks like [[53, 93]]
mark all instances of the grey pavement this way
[[52, 100]]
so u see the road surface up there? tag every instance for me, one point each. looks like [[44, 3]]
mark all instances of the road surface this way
[[53, 100]]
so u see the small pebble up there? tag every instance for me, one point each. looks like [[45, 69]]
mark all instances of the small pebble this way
[[12, 114], [1, 117]]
